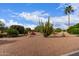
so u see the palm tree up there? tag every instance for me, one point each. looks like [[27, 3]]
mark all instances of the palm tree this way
[[68, 10]]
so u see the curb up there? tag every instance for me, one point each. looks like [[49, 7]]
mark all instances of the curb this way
[[70, 53]]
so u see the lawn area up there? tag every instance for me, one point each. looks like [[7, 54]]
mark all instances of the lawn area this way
[[37, 45]]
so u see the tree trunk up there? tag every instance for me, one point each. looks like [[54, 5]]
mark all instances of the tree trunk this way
[[68, 20]]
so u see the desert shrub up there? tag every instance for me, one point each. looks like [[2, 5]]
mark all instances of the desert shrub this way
[[39, 28], [47, 28], [25, 31], [76, 25], [12, 32], [28, 29], [3, 35], [58, 30], [19, 28], [73, 29]]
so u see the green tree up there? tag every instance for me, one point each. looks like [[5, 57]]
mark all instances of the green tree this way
[[19, 28], [39, 28]]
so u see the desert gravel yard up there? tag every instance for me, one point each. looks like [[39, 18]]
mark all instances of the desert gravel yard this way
[[37, 45]]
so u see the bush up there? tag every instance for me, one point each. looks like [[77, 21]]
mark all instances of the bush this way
[[58, 30], [19, 28], [28, 29], [73, 29], [12, 32], [39, 28]]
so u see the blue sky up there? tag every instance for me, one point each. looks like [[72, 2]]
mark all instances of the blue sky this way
[[29, 14]]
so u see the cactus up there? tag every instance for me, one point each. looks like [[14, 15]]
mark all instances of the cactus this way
[[47, 28]]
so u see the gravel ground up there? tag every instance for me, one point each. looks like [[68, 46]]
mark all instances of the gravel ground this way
[[37, 45]]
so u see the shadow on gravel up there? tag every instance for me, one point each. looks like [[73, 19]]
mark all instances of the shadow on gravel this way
[[6, 41]]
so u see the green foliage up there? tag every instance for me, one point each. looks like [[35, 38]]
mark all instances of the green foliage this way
[[12, 32], [58, 30], [1, 26], [47, 28], [73, 29], [39, 28], [19, 28], [77, 25], [28, 29], [69, 9]]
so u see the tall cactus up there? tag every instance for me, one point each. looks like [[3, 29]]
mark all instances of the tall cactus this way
[[47, 28]]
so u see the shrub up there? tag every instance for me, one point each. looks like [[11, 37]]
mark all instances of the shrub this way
[[76, 25], [58, 30], [12, 32], [28, 29], [39, 28], [73, 30], [19, 28]]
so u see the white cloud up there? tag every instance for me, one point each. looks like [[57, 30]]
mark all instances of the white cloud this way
[[12, 22], [35, 16], [62, 21], [32, 26], [3, 20]]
